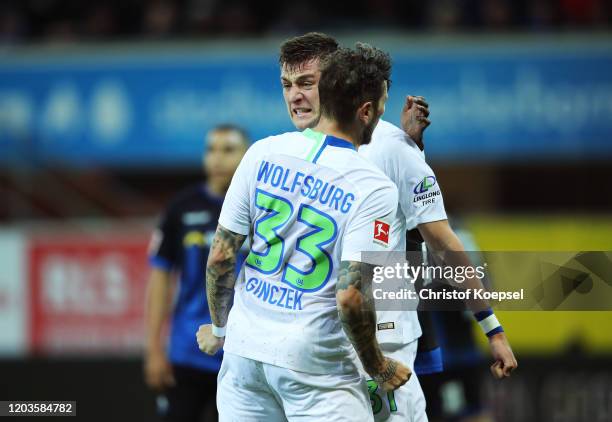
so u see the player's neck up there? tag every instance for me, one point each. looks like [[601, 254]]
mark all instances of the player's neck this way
[[217, 186], [329, 127]]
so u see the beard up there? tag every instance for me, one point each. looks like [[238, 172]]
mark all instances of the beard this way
[[366, 133]]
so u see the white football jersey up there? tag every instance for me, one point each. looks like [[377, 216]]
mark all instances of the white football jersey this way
[[308, 201], [420, 201]]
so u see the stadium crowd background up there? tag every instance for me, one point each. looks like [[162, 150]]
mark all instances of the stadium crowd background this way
[[521, 142], [75, 21]]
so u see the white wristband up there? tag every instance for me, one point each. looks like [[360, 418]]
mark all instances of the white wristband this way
[[489, 324], [218, 331]]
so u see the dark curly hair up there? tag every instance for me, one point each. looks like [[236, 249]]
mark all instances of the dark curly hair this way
[[310, 46], [350, 78]]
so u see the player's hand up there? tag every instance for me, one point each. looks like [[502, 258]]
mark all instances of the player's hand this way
[[414, 118], [393, 375], [505, 362], [158, 371], [207, 342]]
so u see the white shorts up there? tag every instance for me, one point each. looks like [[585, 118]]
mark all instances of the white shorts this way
[[407, 403], [249, 390]]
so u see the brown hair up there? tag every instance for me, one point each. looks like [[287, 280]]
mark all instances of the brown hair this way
[[350, 78], [307, 47]]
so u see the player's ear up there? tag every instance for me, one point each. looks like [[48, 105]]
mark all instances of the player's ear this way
[[365, 113]]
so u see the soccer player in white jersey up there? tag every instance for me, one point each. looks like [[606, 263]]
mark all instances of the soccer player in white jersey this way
[[420, 206], [301, 306]]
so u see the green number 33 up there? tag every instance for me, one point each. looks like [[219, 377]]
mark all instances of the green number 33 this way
[[268, 261]]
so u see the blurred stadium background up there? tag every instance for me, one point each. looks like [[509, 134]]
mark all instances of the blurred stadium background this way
[[103, 110]]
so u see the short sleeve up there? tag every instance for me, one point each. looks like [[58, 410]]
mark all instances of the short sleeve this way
[[163, 246], [235, 213], [420, 194], [371, 226]]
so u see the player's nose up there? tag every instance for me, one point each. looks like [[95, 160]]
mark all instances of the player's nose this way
[[295, 95]]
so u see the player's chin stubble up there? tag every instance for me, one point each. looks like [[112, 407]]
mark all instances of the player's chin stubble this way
[[366, 135], [309, 124]]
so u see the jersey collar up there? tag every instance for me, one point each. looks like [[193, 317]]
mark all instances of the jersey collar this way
[[321, 141], [339, 142], [212, 196], [320, 137]]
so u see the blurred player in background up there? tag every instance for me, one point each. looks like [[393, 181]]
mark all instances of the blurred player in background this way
[[184, 377], [313, 204], [456, 393], [399, 154]]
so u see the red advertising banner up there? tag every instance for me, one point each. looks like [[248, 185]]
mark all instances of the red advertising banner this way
[[87, 293]]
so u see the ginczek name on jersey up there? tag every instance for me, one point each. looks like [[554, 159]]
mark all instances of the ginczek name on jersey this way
[[283, 297]]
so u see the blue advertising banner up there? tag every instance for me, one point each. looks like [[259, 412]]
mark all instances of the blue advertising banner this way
[[152, 107]]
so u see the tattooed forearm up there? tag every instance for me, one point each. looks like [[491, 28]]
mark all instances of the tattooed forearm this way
[[221, 274], [357, 313]]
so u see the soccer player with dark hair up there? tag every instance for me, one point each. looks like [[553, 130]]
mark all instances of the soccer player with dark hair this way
[[184, 378], [398, 153], [301, 306]]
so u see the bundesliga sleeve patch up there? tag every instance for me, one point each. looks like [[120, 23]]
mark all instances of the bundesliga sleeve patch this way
[[381, 232]]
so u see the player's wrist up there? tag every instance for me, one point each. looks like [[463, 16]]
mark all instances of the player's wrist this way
[[155, 348], [218, 331], [408, 133], [488, 322], [387, 372], [501, 336], [376, 364]]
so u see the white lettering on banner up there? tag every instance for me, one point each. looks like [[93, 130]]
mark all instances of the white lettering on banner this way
[[16, 112], [62, 114], [92, 284], [111, 111], [84, 286], [13, 294]]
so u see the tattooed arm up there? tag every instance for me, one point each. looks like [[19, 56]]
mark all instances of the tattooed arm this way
[[357, 314], [220, 280], [221, 273], [358, 317]]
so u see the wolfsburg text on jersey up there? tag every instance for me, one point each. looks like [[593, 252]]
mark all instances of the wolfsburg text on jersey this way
[[310, 187]]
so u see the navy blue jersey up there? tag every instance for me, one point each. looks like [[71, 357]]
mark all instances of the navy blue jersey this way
[[181, 244], [429, 355]]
